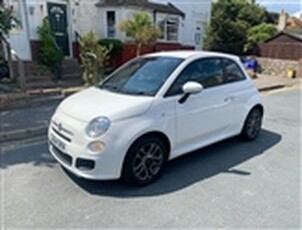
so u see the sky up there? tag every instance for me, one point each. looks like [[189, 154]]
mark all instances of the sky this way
[[290, 6]]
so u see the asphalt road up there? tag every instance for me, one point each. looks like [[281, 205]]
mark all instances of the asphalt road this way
[[24, 118], [232, 184]]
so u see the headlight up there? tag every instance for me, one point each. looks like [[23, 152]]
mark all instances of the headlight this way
[[97, 126]]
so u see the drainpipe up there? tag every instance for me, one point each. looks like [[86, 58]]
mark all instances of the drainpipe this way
[[26, 23], [10, 61], [154, 23], [21, 78], [154, 17], [70, 27]]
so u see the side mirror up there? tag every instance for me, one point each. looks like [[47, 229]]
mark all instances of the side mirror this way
[[192, 87], [189, 88]]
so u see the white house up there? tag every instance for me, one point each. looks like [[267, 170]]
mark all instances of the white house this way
[[198, 13], [24, 38], [166, 16], [181, 23]]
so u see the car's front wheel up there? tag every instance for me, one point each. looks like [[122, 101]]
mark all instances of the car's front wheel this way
[[144, 161], [252, 125]]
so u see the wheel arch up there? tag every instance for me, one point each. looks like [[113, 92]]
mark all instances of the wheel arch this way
[[258, 106], [158, 134]]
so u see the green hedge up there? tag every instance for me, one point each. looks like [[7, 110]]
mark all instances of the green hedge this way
[[117, 46]]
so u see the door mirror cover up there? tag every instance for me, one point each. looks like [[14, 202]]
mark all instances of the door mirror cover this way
[[192, 87]]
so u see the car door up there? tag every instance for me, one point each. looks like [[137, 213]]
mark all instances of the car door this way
[[205, 117]]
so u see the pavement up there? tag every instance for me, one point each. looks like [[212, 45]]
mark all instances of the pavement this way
[[26, 115]]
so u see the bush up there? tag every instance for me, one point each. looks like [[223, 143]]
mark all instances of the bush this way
[[115, 45], [52, 55], [93, 58]]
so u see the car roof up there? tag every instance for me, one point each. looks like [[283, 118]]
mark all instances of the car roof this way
[[186, 54]]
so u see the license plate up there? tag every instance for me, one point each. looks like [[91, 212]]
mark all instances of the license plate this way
[[57, 142]]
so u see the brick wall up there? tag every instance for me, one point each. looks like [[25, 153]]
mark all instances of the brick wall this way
[[35, 46], [129, 51]]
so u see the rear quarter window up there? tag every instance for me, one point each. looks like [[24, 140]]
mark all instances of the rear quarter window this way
[[232, 71]]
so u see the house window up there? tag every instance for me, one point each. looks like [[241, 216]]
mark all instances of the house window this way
[[110, 24], [169, 29]]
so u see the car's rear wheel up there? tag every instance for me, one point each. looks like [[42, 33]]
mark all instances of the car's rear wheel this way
[[145, 161], [252, 125]]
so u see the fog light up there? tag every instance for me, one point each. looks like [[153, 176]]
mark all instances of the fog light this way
[[96, 147]]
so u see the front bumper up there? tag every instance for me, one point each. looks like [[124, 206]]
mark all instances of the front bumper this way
[[68, 145]]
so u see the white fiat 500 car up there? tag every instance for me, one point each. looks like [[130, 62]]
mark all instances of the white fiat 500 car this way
[[153, 109]]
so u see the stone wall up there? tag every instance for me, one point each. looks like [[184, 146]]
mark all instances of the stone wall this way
[[278, 67], [300, 68]]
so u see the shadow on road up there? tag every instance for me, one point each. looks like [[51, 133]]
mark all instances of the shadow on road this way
[[190, 169]]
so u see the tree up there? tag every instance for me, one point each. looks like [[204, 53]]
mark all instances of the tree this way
[[252, 14], [272, 17], [229, 25], [259, 34], [225, 35], [141, 29], [6, 18]]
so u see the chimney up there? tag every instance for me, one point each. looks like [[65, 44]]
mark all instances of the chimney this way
[[282, 21]]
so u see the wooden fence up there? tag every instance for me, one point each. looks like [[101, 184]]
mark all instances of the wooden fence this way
[[286, 51]]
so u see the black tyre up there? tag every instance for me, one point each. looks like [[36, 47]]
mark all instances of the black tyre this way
[[145, 161], [252, 125]]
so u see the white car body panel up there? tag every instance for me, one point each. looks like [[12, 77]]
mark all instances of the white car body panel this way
[[95, 102], [205, 118]]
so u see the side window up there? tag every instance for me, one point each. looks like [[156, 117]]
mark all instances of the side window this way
[[211, 72], [188, 74], [208, 72], [232, 71]]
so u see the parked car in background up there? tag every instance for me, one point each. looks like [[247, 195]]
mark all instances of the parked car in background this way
[[153, 109], [252, 66]]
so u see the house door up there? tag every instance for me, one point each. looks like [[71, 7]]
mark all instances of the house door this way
[[57, 14]]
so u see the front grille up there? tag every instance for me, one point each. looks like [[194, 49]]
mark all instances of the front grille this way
[[61, 130], [61, 135], [83, 164], [62, 156]]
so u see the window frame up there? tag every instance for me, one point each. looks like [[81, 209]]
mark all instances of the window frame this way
[[225, 71], [196, 60], [108, 26], [166, 25], [223, 67]]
